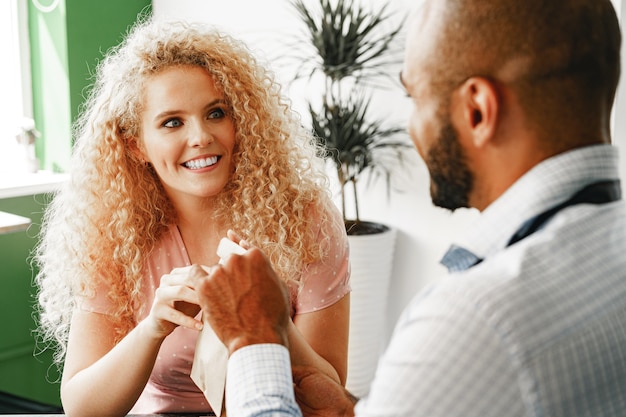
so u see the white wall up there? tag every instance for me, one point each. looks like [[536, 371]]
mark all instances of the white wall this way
[[424, 232], [619, 112]]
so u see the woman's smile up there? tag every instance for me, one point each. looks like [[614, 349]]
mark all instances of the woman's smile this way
[[200, 163]]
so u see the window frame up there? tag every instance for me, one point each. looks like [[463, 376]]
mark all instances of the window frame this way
[[24, 57], [19, 50]]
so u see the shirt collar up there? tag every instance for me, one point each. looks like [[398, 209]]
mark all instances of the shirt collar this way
[[547, 184]]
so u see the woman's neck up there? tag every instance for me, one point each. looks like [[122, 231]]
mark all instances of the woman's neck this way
[[200, 230]]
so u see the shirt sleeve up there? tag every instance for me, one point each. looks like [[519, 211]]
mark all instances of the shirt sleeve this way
[[98, 302], [327, 281], [259, 383], [168, 253]]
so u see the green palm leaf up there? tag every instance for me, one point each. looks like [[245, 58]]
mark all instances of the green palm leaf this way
[[358, 146], [346, 40], [351, 47]]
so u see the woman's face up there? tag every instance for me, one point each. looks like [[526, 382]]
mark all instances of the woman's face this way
[[187, 133]]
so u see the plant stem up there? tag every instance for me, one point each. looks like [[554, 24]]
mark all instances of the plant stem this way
[[356, 200], [342, 182]]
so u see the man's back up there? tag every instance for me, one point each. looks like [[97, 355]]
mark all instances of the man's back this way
[[564, 322], [537, 328]]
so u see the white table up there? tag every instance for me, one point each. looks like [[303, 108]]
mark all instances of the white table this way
[[24, 184], [19, 184], [12, 223]]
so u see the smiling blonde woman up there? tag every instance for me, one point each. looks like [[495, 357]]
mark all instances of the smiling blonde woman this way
[[184, 137]]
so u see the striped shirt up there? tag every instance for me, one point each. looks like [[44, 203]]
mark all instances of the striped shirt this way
[[537, 328]]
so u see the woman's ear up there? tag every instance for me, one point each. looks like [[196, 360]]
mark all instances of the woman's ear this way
[[476, 106], [135, 149]]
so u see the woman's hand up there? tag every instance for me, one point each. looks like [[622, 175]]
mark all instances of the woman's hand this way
[[235, 237], [175, 303]]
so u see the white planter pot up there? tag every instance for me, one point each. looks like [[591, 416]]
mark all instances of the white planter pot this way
[[371, 259]]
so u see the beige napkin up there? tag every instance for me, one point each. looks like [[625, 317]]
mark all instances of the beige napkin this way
[[209, 368], [208, 371]]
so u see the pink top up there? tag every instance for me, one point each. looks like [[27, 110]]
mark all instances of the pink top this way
[[170, 388]]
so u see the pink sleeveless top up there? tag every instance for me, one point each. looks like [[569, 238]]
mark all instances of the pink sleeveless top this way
[[170, 388]]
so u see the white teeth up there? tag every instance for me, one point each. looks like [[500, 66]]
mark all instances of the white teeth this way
[[201, 163]]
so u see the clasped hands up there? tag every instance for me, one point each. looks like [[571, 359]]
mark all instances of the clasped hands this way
[[246, 303], [242, 299]]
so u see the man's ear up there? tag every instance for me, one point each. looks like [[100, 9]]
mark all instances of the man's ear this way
[[476, 109]]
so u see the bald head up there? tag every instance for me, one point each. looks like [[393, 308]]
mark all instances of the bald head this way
[[561, 57]]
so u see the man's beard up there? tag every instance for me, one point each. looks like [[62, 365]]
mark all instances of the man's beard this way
[[450, 177]]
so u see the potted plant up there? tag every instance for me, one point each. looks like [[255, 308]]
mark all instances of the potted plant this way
[[349, 49]]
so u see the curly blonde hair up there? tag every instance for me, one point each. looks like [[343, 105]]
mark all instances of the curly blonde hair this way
[[103, 224]]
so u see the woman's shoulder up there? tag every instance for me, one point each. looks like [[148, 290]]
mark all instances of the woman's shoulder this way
[[326, 281], [327, 218]]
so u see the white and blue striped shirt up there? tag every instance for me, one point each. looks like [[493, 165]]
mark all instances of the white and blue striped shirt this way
[[537, 329]]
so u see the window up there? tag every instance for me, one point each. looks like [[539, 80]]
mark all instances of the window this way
[[15, 102]]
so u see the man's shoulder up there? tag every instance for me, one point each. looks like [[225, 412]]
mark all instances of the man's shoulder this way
[[562, 278]]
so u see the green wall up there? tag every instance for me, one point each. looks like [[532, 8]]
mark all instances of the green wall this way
[[50, 84], [66, 45], [21, 371]]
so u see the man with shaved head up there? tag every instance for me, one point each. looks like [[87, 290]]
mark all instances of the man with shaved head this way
[[511, 113]]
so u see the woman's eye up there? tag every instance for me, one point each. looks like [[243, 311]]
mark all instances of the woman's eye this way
[[216, 114], [172, 123]]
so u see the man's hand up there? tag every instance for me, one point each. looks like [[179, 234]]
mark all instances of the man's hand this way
[[319, 395], [244, 301]]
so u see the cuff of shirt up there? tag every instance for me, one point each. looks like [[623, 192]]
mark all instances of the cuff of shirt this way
[[259, 380]]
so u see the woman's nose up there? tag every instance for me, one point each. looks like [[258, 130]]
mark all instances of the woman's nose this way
[[200, 135]]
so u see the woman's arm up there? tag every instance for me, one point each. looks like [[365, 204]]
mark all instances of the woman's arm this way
[[101, 378], [320, 339]]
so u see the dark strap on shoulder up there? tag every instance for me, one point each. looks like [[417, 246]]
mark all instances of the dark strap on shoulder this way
[[597, 193]]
